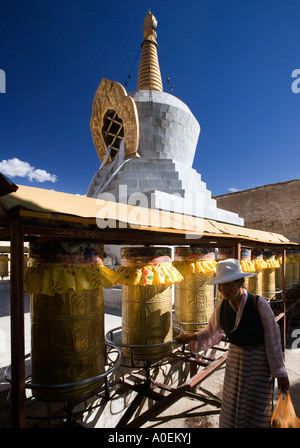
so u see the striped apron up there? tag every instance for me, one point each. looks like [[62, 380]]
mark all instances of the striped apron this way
[[247, 391]]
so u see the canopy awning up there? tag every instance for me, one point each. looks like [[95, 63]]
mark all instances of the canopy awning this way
[[37, 204]]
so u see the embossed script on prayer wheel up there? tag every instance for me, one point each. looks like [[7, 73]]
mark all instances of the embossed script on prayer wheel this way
[[146, 277], [194, 300], [67, 318], [67, 334], [146, 320]]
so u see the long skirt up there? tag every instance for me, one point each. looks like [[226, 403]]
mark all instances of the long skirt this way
[[247, 392]]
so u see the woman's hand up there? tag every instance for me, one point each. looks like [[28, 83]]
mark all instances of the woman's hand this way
[[184, 338], [283, 384]]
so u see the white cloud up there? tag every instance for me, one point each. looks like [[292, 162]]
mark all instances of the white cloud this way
[[15, 167], [232, 190]]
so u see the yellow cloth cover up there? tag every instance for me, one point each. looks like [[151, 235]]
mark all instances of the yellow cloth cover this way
[[137, 274], [55, 278], [260, 264], [289, 259], [188, 267], [247, 266], [272, 264]]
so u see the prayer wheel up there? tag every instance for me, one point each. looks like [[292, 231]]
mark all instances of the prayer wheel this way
[[269, 276], [222, 254], [255, 282], [66, 282], [147, 276], [297, 257], [295, 268], [289, 273], [4, 265], [278, 271], [194, 300], [247, 265]]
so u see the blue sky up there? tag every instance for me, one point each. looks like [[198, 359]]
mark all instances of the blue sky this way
[[230, 61]]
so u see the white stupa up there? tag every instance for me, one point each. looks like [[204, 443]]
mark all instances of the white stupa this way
[[146, 141]]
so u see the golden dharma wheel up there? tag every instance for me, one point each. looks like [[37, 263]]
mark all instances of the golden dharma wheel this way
[[147, 276], [194, 300], [67, 319]]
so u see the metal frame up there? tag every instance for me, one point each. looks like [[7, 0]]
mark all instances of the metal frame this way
[[163, 402], [68, 405], [110, 338]]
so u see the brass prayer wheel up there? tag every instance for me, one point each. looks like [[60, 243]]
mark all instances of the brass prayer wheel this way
[[255, 282], [297, 257], [146, 276], [4, 265], [194, 300], [146, 320], [290, 260], [67, 318], [278, 271], [247, 265], [67, 343], [295, 269], [269, 276], [293, 258]]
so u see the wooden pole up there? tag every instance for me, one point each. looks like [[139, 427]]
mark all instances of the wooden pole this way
[[237, 250], [17, 325]]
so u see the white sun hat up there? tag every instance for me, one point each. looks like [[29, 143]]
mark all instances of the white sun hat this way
[[227, 271]]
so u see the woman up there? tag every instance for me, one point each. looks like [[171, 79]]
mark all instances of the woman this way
[[254, 355]]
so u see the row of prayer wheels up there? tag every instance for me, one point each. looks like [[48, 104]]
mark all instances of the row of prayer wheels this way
[[66, 280]]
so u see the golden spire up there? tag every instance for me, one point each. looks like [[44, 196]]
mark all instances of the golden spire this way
[[149, 77]]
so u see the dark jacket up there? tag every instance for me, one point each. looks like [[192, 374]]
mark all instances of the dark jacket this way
[[250, 331]]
